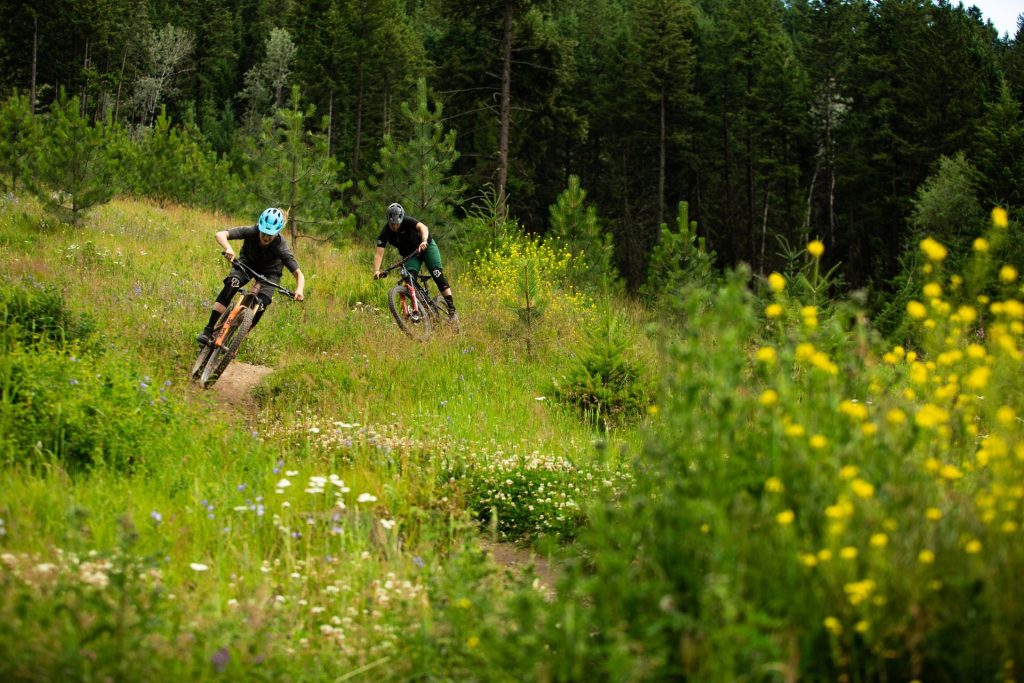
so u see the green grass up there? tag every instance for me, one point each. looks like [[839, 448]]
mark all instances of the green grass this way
[[410, 427]]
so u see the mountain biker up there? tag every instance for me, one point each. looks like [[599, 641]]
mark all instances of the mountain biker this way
[[409, 235], [266, 252]]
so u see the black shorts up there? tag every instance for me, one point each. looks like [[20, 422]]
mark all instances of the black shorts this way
[[238, 278]]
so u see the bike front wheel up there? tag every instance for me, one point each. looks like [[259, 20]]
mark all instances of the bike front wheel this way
[[413, 320], [222, 355]]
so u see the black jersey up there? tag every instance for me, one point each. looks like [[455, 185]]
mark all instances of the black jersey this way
[[406, 239], [269, 261]]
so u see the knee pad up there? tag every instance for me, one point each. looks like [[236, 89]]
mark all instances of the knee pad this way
[[231, 286], [264, 301], [439, 279]]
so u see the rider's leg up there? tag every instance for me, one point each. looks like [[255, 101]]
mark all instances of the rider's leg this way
[[432, 257], [231, 284], [265, 300]]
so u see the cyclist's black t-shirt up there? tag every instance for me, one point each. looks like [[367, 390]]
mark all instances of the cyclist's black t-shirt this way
[[405, 239], [268, 261]]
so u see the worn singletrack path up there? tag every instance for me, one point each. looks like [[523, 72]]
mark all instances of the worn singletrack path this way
[[239, 379]]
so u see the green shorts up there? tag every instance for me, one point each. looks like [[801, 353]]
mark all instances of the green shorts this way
[[431, 256]]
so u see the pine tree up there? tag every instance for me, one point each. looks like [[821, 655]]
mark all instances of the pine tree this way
[[18, 135], [680, 260], [292, 170], [575, 225], [416, 172], [73, 169]]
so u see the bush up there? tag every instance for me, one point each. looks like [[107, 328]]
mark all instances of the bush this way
[[816, 505], [33, 312]]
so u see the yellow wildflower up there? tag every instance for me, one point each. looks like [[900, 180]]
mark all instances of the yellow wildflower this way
[[848, 553], [933, 514], [833, 625], [785, 517], [869, 429], [933, 250], [896, 416], [818, 441], [1007, 274], [773, 310], [824, 555], [765, 354], [472, 642], [932, 290], [973, 546], [861, 626], [926, 557], [774, 485], [795, 430], [808, 560], [815, 248], [916, 310], [862, 488], [951, 472], [804, 351], [848, 471], [776, 282], [999, 217], [1005, 415], [981, 245], [769, 397], [879, 540]]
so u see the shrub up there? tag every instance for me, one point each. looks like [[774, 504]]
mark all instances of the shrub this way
[[33, 312], [817, 505]]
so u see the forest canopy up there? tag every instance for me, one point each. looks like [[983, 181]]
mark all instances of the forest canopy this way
[[777, 122]]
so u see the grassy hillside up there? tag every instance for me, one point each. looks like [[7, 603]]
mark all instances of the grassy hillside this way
[[151, 518], [798, 498]]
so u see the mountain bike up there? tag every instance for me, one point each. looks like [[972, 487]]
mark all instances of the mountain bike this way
[[231, 328], [416, 313]]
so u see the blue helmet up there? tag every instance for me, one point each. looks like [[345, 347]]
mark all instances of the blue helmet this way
[[271, 221]]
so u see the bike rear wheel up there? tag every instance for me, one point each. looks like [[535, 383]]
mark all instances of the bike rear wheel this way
[[415, 323], [222, 355]]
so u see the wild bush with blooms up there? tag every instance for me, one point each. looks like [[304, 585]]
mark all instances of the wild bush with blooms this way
[[819, 504], [525, 496], [499, 274]]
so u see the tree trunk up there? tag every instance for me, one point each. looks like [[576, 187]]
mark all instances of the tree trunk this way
[[330, 125], [506, 94], [35, 50], [120, 80], [357, 142], [661, 161]]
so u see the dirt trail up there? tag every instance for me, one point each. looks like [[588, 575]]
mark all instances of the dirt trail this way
[[516, 559], [235, 385]]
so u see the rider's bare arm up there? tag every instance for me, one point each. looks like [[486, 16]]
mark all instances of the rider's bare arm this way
[[378, 256], [222, 239], [300, 284], [424, 235]]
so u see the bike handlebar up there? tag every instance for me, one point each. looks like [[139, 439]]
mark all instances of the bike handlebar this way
[[393, 266], [287, 292]]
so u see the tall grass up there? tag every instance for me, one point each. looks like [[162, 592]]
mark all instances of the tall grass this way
[[333, 517]]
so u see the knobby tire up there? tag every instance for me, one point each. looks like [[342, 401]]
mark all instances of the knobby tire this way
[[400, 303], [223, 354]]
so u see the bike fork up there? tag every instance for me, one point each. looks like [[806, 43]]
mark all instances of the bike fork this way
[[415, 303], [227, 326]]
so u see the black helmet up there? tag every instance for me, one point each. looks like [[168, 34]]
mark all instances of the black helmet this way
[[395, 213]]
